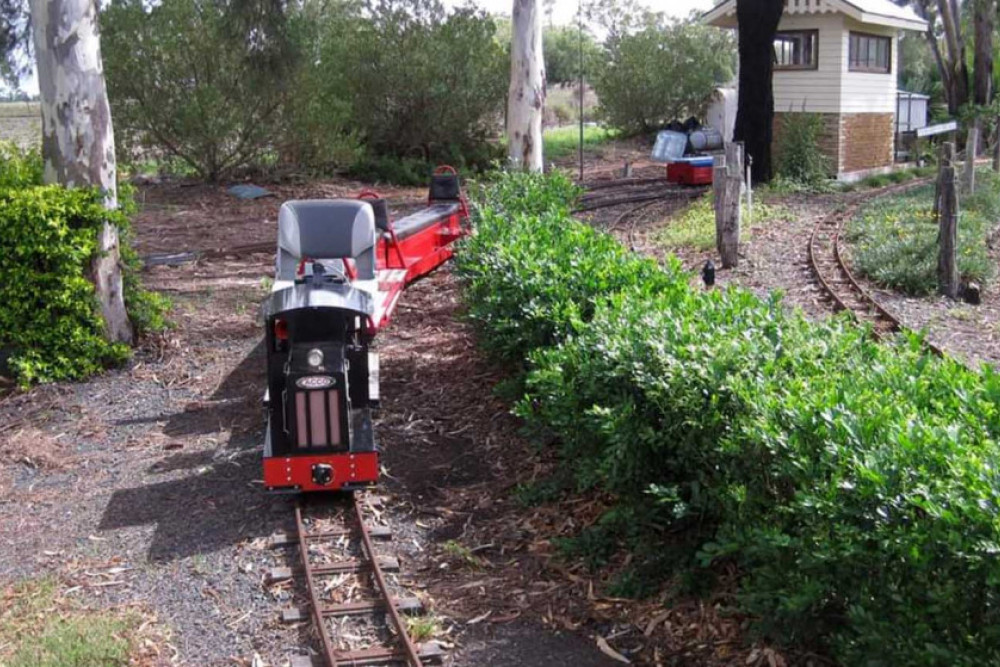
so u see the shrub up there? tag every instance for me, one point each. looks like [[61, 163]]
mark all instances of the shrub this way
[[531, 296], [561, 48], [19, 169], [420, 82], [895, 238], [50, 324], [201, 81], [798, 156], [663, 71], [49, 320], [851, 481]]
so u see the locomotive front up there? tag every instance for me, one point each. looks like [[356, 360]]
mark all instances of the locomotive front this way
[[322, 377]]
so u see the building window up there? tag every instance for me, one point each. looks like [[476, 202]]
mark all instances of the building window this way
[[870, 53], [796, 50]]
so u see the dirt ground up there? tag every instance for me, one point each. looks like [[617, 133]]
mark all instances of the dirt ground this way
[[141, 486]]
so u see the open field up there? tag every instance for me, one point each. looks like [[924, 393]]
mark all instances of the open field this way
[[21, 123]]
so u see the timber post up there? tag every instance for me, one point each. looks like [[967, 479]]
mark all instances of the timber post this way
[[971, 149], [727, 183], [947, 213], [718, 194]]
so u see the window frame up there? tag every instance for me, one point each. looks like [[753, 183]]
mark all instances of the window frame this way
[[865, 69], [814, 33]]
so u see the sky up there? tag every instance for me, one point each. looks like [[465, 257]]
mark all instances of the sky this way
[[565, 10]]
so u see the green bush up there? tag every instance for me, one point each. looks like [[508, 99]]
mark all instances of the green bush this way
[[895, 238], [49, 320], [50, 324], [19, 169], [561, 48], [664, 71], [200, 81], [851, 482], [421, 83], [533, 296], [798, 156]]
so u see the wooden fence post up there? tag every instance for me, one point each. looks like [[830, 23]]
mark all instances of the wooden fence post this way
[[728, 183], [718, 196], [946, 156], [971, 149], [948, 226], [996, 147]]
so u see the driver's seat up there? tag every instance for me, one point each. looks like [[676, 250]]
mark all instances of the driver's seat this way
[[327, 230]]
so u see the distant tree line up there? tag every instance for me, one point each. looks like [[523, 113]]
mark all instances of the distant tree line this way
[[223, 86]]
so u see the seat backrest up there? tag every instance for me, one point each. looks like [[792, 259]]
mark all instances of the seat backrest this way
[[326, 229]]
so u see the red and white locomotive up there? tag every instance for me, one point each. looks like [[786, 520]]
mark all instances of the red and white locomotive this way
[[341, 267]]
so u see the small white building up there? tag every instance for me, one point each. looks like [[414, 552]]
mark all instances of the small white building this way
[[838, 59]]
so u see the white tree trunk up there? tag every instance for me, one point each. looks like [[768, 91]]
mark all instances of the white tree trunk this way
[[78, 143], [526, 98]]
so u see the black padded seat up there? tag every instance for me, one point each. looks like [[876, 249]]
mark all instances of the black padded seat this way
[[421, 220]]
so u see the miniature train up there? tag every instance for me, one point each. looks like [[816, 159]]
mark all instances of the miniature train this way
[[341, 266]]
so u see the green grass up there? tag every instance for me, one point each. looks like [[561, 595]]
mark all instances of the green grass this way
[[895, 237], [563, 142], [422, 628], [40, 628], [695, 226]]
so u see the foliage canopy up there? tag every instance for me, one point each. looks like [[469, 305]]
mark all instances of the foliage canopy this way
[[202, 81], [313, 84], [664, 70]]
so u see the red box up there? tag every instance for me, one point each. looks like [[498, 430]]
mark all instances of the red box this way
[[697, 176], [675, 171]]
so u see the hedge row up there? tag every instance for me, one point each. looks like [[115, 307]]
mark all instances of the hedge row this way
[[50, 324], [854, 483]]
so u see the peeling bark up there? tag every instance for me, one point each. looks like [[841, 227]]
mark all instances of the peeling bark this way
[[78, 142], [526, 98]]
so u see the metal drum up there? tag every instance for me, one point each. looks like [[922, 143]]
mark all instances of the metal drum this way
[[705, 139]]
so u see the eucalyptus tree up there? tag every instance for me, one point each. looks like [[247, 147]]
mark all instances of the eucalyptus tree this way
[[526, 97], [78, 141]]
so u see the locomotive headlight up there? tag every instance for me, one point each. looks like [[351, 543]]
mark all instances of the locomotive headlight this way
[[315, 358]]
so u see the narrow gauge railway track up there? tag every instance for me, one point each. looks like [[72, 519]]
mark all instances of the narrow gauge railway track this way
[[351, 530], [826, 259], [635, 193], [631, 217]]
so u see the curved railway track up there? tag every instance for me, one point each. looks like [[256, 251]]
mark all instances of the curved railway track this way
[[826, 259], [378, 610]]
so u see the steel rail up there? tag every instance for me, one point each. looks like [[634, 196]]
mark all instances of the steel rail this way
[[688, 193], [832, 225], [384, 601], [620, 182], [412, 656], [328, 651]]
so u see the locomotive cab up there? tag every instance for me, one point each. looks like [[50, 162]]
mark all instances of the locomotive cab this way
[[317, 335]]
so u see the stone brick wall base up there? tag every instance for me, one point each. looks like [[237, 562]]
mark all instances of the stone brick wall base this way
[[867, 140]]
